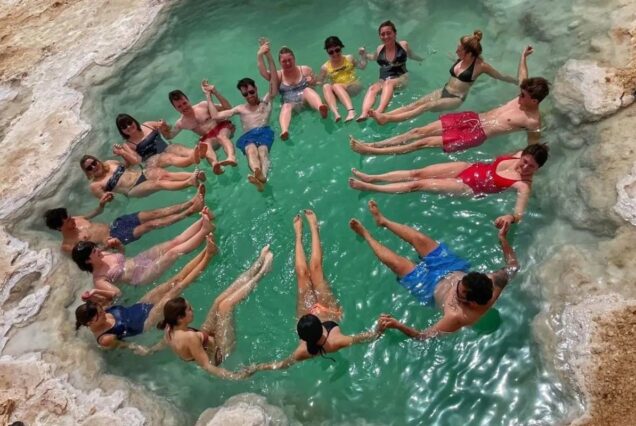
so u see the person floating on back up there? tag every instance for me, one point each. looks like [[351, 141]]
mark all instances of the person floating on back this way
[[463, 130]]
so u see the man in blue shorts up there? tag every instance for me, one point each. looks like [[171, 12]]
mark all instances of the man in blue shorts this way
[[441, 278], [124, 229], [255, 113]]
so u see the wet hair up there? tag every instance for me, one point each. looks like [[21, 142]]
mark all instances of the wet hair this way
[[54, 218], [538, 151], [472, 43], [175, 95], [309, 329], [122, 121], [387, 24], [537, 87], [284, 50], [84, 314], [479, 287], [87, 157], [173, 311], [17, 423], [81, 253], [333, 41], [245, 82]]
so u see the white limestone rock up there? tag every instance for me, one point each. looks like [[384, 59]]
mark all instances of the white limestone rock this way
[[247, 409]]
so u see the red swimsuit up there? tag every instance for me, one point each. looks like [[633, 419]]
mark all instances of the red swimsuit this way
[[482, 178]]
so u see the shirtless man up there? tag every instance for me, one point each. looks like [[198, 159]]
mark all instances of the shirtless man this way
[[198, 118], [257, 137], [125, 229], [463, 130], [441, 278]]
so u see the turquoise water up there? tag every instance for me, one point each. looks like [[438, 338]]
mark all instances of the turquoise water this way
[[475, 377]]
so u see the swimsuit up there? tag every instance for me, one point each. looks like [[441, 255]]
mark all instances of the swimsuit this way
[[293, 93], [329, 325], [258, 136], [214, 132], [461, 130], [482, 178], [116, 272], [129, 321], [123, 228], [152, 144], [423, 279], [114, 179], [465, 76], [395, 68], [344, 74]]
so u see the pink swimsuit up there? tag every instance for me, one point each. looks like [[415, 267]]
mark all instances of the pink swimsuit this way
[[482, 178]]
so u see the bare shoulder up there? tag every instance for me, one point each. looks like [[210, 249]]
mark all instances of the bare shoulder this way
[[301, 354], [107, 340]]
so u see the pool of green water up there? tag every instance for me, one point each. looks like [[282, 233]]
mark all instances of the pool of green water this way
[[493, 375]]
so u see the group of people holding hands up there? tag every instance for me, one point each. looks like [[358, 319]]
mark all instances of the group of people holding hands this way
[[439, 278]]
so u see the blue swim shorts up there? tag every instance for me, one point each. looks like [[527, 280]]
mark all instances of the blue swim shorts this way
[[423, 279], [123, 227], [258, 136]]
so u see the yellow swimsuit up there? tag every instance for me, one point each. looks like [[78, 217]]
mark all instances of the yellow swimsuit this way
[[344, 74]]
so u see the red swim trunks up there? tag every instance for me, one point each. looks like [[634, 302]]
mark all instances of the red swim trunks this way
[[214, 132], [461, 130]]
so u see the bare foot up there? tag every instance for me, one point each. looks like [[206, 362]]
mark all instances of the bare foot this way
[[336, 118], [362, 118], [379, 117], [265, 250], [323, 110], [362, 176], [196, 155], [355, 184], [201, 189], [231, 161], [199, 175], [357, 227], [267, 264], [298, 225], [217, 169], [311, 217], [197, 204], [258, 174], [210, 245], [379, 218], [206, 213], [284, 136], [257, 183], [350, 115], [356, 145]]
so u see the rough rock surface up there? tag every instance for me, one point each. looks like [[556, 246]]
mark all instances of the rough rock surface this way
[[245, 409]]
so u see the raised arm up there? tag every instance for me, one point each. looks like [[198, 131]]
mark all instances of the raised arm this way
[[262, 69], [410, 52], [523, 195], [362, 63], [501, 277], [492, 72], [522, 72], [264, 50], [104, 199]]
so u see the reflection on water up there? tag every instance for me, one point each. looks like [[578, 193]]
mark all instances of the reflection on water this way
[[489, 374]]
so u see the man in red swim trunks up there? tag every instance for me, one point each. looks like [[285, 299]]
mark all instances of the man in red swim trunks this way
[[463, 130], [199, 119]]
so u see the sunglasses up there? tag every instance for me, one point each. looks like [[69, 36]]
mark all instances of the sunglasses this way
[[334, 50], [248, 93], [89, 167]]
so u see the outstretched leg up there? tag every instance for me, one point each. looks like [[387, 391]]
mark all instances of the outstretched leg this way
[[223, 309], [306, 297], [324, 294], [369, 100], [159, 295], [448, 185], [422, 243], [330, 98], [284, 119], [398, 264], [228, 147], [434, 171]]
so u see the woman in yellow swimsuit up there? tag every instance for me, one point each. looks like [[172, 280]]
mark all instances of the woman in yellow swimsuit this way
[[340, 70]]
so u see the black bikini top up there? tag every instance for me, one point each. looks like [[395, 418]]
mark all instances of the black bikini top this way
[[152, 144], [466, 75], [114, 179], [396, 67]]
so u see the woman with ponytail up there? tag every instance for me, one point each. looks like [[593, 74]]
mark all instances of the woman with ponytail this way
[[468, 67], [211, 345], [111, 325], [317, 309]]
